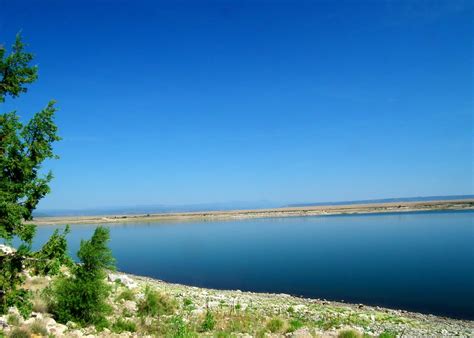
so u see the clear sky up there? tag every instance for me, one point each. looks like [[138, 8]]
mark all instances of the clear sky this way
[[287, 101]]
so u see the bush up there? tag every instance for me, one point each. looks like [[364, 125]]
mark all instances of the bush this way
[[82, 297], [13, 319], [122, 325], [154, 304], [19, 333], [295, 324], [275, 325], [348, 334], [52, 255], [39, 328], [126, 295], [388, 334], [209, 322]]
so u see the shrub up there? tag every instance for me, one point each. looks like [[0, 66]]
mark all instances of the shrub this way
[[126, 295], [348, 334], [52, 255], [179, 329], [82, 296], [19, 333], [295, 324], [388, 334], [275, 325], [123, 325], [154, 304], [209, 322], [13, 319], [38, 328]]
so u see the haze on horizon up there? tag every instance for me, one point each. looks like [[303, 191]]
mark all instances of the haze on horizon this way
[[179, 103]]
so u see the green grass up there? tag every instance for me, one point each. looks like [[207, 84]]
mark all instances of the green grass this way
[[154, 304], [348, 334], [123, 325], [275, 325], [388, 334], [19, 333], [126, 295], [38, 328], [294, 325], [209, 322]]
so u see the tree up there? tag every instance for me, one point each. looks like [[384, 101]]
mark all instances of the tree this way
[[82, 296], [23, 149]]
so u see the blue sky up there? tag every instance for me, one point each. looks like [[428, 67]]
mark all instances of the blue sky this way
[[286, 101]]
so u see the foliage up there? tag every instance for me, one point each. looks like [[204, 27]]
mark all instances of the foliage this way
[[209, 322], [23, 149], [13, 319], [388, 334], [53, 254], [348, 334], [38, 328], [82, 296], [154, 304], [122, 325], [275, 325], [126, 294], [19, 333], [15, 70], [179, 329], [295, 324]]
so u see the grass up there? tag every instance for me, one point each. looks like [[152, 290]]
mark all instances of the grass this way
[[349, 334], [388, 334], [155, 304], [209, 322], [19, 333], [13, 319], [294, 325], [123, 325], [275, 325], [127, 294], [38, 328]]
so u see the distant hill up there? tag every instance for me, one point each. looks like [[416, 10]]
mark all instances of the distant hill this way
[[386, 200]]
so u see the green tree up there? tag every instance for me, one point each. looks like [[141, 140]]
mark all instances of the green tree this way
[[23, 149], [82, 296]]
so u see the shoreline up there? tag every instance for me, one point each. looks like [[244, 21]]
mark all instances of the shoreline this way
[[378, 319], [353, 306], [320, 210]]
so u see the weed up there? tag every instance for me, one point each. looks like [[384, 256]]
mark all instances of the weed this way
[[123, 325], [126, 294], [209, 322], [275, 325], [348, 334], [38, 328], [154, 304]]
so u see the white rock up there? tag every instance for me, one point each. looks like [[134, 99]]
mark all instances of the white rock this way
[[125, 280], [130, 305], [198, 312], [6, 250]]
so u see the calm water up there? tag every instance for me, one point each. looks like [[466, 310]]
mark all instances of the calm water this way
[[415, 261]]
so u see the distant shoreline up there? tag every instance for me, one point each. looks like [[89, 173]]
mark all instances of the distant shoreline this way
[[320, 210]]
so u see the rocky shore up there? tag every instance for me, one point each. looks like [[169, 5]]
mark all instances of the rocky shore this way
[[235, 313]]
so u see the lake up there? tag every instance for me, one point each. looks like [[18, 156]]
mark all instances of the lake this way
[[419, 261]]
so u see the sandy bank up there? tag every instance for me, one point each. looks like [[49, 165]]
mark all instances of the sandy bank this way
[[467, 204]]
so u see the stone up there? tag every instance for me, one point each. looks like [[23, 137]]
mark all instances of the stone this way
[[301, 333], [130, 305], [125, 280], [6, 250]]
